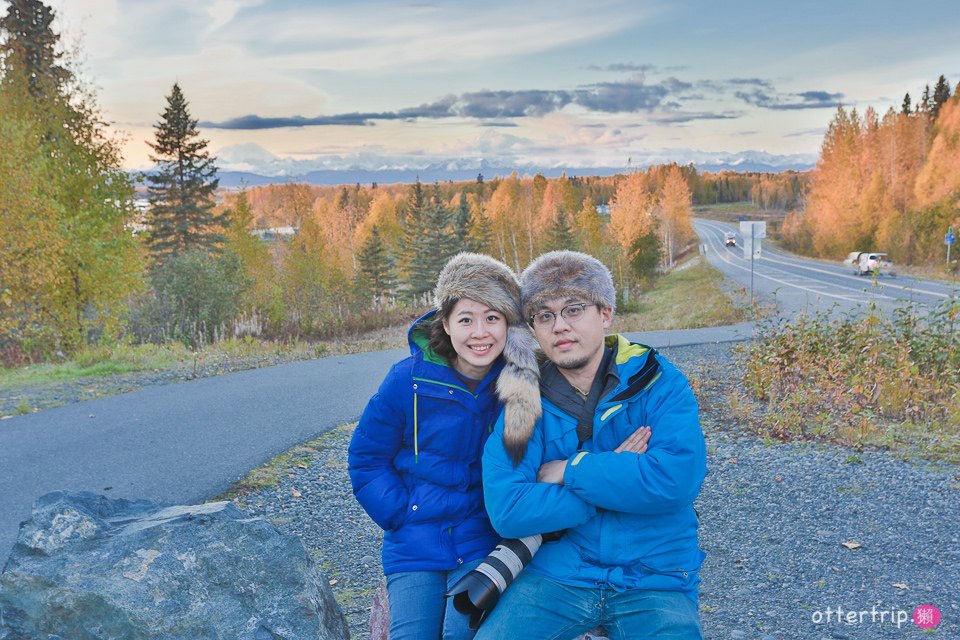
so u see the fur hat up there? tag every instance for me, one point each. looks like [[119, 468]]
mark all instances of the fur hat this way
[[480, 278], [558, 274], [566, 274], [489, 281]]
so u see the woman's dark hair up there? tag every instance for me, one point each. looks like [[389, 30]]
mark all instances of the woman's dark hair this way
[[439, 341]]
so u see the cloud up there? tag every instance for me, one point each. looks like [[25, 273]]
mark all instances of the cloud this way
[[682, 117], [767, 99], [667, 102], [806, 132], [378, 35], [621, 67], [629, 96]]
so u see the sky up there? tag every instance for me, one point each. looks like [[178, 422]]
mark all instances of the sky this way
[[282, 87]]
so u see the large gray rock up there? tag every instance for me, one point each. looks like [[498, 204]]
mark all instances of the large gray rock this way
[[86, 567]]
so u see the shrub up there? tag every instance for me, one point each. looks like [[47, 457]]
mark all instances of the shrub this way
[[865, 378], [193, 300]]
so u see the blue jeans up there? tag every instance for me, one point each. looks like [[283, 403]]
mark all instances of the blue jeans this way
[[418, 610], [538, 608]]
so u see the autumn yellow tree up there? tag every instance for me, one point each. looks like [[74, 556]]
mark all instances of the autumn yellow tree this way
[[64, 200], [675, 212], [502, 210], [833, 204], [632, 216], [262, 294]]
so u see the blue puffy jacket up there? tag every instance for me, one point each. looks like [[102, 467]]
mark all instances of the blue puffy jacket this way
[[629, 518], [415, 461]]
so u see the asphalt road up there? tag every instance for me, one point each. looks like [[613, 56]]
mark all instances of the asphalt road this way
[[797, 284]]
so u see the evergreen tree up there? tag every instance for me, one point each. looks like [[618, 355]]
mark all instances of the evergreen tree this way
[[418, 275], [375, 274], [559, 234], [31, 47], [925, 105], [181, 190], [480, 232], [906, 105], [428, 244], [941, 93], [461, 224]]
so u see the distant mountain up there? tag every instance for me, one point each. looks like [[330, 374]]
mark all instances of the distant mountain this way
[[458, 171]]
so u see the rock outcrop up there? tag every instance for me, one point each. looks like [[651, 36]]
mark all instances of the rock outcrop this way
[[86, 567]]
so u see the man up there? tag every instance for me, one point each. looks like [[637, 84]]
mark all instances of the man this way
[[615, 461]]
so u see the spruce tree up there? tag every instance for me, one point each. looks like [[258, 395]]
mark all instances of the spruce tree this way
[[480, 232], [428, 243], [181, 189], [559, 234], [461, 224], [941, 93], [925, 101], [441, 242], [905, 110], [375, 274], [31, 47], [416, 275]]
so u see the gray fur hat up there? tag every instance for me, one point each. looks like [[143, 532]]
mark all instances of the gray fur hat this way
[[480, 278], [565, 274], [488, 281]]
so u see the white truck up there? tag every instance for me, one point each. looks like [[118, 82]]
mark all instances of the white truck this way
[[870, 262]]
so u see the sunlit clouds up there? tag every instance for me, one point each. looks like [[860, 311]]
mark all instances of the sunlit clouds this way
[[281, 86]]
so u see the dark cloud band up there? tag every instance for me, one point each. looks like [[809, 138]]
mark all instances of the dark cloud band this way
[[632, 95]]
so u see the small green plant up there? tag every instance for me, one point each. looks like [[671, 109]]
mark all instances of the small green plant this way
[[23, 407]]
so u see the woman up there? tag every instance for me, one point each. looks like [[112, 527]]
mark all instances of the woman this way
[[415, 456]]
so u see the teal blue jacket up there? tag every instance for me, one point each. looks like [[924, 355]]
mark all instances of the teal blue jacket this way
[[629, 518]]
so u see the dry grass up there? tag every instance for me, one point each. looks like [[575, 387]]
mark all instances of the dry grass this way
[[685, 299]]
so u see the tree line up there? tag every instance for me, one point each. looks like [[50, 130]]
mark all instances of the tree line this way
[[885, 183]]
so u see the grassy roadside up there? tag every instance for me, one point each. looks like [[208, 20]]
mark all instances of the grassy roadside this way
[[688, 298], [99, 361], [868, 380]]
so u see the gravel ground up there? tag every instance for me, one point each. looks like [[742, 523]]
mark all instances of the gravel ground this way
[[774, 520]]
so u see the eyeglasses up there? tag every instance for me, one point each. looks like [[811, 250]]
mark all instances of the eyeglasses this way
[[571, 313]]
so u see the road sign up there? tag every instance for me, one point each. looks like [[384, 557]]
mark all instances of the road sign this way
[[949, 239], [753, 229], [751, 248]]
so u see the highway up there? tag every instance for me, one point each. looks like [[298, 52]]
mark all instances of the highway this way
[[796, 284]]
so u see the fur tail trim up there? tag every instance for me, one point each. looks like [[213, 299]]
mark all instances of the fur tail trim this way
[[519, 388]]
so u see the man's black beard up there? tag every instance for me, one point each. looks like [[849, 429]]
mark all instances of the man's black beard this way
[[579, 363]]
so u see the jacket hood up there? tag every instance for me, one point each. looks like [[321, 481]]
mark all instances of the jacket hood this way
[[418, 337]]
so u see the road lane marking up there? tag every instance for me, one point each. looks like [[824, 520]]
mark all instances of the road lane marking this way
[[720, 255], [800, 265]]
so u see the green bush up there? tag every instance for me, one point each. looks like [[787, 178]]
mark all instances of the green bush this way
[[194, 299]]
